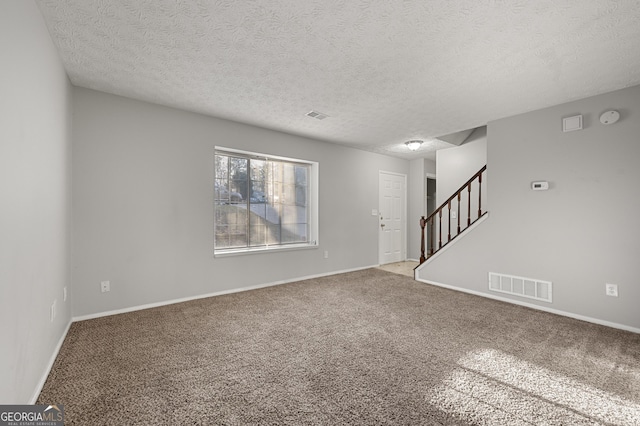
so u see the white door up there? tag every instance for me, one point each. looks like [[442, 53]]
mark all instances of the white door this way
[[392, 215]]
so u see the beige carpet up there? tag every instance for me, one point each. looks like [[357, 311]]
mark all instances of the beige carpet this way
[[362, 348]]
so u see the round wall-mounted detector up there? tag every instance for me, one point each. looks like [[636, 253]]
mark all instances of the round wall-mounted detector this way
[[609, 117]]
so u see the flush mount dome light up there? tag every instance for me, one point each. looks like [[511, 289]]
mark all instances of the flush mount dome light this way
[[413, 145]]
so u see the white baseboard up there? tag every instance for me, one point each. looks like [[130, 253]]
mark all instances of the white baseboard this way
[[537, 307], [47, 370], [55, 352], [217, 293]]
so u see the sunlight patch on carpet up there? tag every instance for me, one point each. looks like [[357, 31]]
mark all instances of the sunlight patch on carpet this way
[[492, 387], [605, 364]]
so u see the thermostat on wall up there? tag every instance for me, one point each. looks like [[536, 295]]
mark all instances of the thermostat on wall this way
[[540, 186]]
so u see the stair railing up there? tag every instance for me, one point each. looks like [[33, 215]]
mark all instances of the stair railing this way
[[436, 217]]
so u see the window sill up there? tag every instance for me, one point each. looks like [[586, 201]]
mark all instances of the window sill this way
[[261, 250]]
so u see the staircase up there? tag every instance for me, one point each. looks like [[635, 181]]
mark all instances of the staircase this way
[[468, 199]]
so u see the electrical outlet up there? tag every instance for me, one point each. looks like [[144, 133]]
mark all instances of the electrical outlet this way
[[454, 215], [326, 254], [611, 290], [105, 286], [64, 294]]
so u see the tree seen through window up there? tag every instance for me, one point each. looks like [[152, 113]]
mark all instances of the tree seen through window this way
[[260, 202]]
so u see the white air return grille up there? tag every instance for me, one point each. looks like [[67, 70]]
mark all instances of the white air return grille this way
[[520, 286], [317, 115]]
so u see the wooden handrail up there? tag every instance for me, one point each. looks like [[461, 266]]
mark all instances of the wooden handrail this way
[[455, 194], [437, 215]]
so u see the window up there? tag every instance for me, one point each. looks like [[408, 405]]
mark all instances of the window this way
[[263, 202]]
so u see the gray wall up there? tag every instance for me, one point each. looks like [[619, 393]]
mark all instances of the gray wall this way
[[418, 169], [415, 206], [35, 189], [430, 166], [143, 204], [454, 166], [580, 234]]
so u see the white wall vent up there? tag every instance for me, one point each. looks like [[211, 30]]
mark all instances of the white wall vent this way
[[520, 286]]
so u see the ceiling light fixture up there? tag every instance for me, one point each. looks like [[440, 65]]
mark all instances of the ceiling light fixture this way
[[413, 145]]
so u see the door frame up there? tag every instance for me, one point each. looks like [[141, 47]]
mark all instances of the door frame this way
[[427, 229], [403, 256], [428, 176]]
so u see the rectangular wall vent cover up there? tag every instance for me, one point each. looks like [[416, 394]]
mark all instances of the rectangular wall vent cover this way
[[520, 286], [316, 114]]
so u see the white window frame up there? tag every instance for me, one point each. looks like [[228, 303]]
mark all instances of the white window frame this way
[[313, 241]]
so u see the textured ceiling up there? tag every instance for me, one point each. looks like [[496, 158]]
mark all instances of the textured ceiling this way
[[383, 71]]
